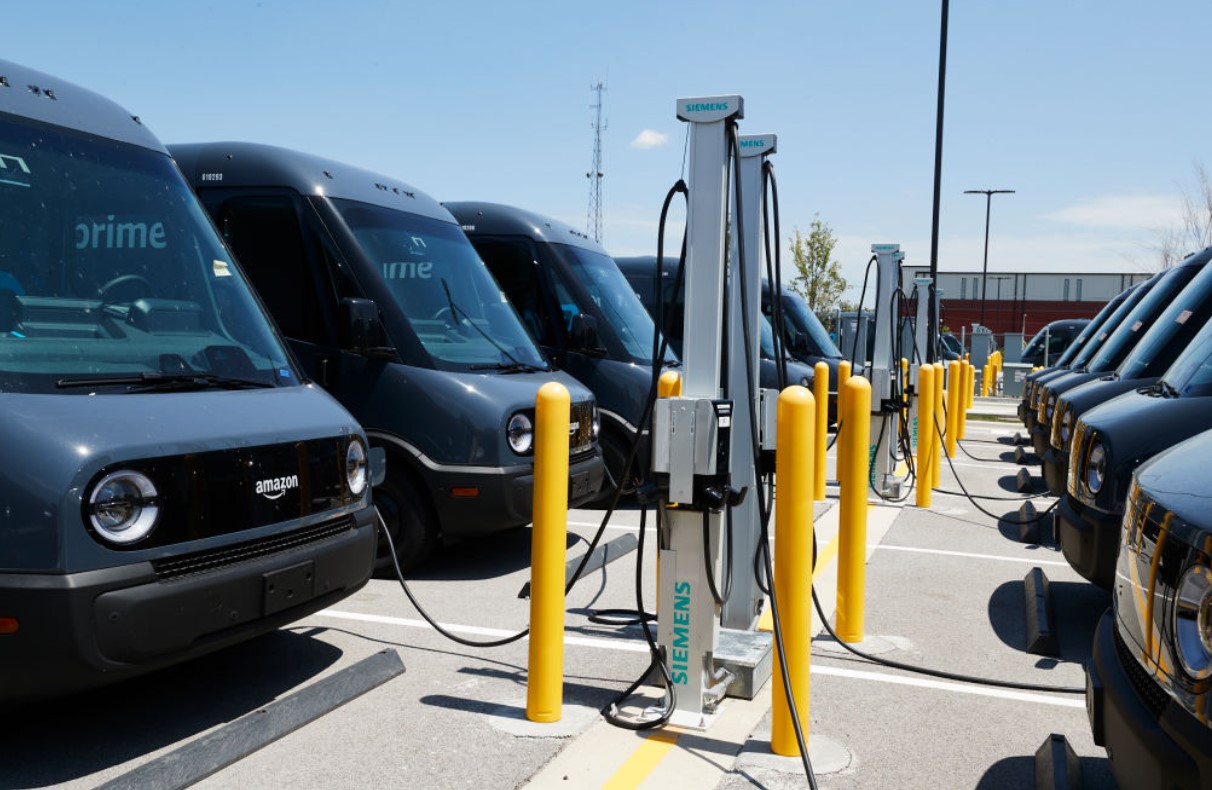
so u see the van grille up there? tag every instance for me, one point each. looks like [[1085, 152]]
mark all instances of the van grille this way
[[203, 561], [1147, 688], [580, 438]]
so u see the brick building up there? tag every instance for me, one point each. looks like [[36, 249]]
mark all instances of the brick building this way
[[1023, 301]]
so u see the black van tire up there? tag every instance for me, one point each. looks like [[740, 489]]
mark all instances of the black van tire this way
[[614, 454], [407, 516]]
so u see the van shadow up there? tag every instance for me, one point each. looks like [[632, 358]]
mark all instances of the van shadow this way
[[54, 741], [476, 559], [1076, 609], [1015, 773]]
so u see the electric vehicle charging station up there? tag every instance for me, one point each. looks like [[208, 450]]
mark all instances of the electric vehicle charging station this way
[[741, 609], [921, 339], [692, 432], [885, 414]]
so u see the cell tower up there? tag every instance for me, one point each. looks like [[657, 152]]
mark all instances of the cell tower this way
[[594, 222]]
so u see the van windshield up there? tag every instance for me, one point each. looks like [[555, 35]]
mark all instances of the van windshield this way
[[801, 321], [1092, 347], [1138, 322], [112, 278], [1174, 328], [613, 296], [452, 303]]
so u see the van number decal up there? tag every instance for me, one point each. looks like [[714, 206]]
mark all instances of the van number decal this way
[[211, 177]]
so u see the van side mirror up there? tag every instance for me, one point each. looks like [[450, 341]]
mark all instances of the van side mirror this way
[[583, 335], [361, 330], [799, 344]]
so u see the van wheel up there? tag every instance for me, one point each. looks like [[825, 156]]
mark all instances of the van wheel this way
[[408, 519], [614, 454]]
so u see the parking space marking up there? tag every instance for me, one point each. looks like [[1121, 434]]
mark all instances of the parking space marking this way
[[956, 688], [968, 555], [641, 762]]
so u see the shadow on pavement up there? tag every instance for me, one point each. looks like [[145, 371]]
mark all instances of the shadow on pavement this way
[[1076, 608], [59, 740], [1015, 773]]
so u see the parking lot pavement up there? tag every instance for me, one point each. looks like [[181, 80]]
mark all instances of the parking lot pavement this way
[[945, 590]]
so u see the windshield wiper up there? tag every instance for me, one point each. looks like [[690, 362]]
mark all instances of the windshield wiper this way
[[513, 366], [165, 382], [509, 367], [1167, 389]]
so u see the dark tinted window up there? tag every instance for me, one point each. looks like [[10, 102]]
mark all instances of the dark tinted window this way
[[513, 265], [269, 241]]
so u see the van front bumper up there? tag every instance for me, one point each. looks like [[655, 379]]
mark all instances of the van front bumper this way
[[1040, 441], [1055, 465], [78, 630], [506, 500], [1089, 539], [1152, 741]]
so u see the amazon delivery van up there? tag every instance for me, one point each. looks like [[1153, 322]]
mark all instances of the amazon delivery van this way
[[386, 304], [169, 484]]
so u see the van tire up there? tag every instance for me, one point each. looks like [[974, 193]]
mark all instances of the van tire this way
[[614, 455], [407, 515]]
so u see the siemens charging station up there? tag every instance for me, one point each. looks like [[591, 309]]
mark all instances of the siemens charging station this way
[[885, 408]]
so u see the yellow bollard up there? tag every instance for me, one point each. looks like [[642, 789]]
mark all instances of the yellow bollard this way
[[820, 397], [793, 563], [548, 541], [939, 421], [926, 441], [954, 386], [843, 375], [852, 514], [969, 385], [985, 381], [669, 385], [961, 415]]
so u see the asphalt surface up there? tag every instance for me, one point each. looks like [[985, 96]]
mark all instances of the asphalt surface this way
[[945, 590]]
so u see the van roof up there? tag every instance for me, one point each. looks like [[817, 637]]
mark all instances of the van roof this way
[[42, 97], [229, 164], [496, 218]]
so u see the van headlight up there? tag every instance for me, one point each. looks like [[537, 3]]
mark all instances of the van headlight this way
[[597, 423], [1066, 427], [520, 433], [356, 471], [1193, 621], [1096, 466], [1051, 407], [123, 508]]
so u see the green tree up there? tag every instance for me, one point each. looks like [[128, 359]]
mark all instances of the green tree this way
[[819, 278]]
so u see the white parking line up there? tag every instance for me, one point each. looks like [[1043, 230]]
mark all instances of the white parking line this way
[[967, 555], [637, 646]]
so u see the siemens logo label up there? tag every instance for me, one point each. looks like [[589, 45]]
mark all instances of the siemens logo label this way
[[706, 106], [276, 487], [679, 657], [753, 143]]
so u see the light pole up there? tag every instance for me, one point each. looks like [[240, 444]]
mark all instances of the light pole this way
[[988, 193]]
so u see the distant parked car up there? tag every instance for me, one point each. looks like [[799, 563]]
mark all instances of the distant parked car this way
[[1050, 343], [950, 347]]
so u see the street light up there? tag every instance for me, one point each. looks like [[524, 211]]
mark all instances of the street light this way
[[988, 193]]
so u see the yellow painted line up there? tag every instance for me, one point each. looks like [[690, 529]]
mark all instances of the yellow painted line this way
[[642, 761], [766, 620]]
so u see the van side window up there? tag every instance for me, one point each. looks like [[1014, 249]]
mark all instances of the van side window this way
[[265, 233], [513, 265]]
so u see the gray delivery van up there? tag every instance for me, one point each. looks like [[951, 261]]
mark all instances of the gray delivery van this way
[[387, 305], [581, 311], [169, 485]]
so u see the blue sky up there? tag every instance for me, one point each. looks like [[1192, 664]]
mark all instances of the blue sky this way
[[1093, 111]]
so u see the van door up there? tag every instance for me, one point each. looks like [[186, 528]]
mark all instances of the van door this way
[[294, 268], [514, 264]]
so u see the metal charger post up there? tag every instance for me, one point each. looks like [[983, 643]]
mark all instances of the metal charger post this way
[[691, 433], [884, 417], [742, 608], [920, 340]]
